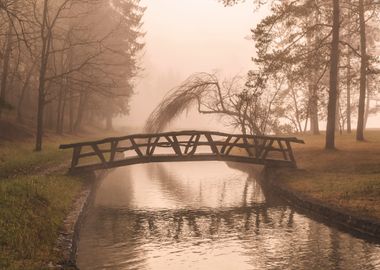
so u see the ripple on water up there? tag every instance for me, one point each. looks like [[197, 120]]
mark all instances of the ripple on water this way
[[207, 216]]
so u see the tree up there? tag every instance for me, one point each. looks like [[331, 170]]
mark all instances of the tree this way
[[244, 106], [363, 72], [333, 91], [96, 51]]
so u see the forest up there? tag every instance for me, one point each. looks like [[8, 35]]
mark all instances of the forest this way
[[316, 61], [70, 63]]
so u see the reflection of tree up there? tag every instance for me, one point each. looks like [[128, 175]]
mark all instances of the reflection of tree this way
[[167, 182], [269, 232], [108, 238], [251, 189], [177, 224]]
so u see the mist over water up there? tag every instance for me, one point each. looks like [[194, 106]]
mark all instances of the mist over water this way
[[207, 216]]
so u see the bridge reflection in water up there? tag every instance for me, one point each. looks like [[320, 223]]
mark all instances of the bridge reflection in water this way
[[207, 216]]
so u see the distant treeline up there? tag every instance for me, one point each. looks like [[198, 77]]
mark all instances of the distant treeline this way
[[68, 63]]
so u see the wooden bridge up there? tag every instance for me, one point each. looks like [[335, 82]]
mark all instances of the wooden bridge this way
[[182, 146]]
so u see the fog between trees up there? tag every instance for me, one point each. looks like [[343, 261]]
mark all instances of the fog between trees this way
[[66, 64], [316, 61], [70, 62]]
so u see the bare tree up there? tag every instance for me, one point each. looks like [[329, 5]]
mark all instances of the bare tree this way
[[245, 107]]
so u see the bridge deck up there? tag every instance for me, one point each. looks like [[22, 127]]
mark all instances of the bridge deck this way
[[182, 146]]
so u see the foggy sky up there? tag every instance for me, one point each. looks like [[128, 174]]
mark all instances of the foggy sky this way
[[188, 36]]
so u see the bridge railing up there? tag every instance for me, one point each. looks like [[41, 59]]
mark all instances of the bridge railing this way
[[182, 146]]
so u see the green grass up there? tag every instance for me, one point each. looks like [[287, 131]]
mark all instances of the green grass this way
[[32, 209], [20, 159], [348, 178], [35, 197]]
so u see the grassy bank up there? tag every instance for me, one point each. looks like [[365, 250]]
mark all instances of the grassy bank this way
[[35, 197], [347, 179]]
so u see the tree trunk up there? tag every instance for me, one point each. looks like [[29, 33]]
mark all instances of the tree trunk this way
[[314, 122], [40, 116], [41, 88], [363, 73], [366, 115], [313, 41], [348, 109], [81, 109], [5, 70], [23, 92], [337, 115], [334, 62], [109, 125], [62, 121], [71, 111], [297, 111], [59, 111]]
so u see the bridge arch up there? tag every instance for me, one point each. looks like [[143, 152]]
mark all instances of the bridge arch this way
[[182, 146]]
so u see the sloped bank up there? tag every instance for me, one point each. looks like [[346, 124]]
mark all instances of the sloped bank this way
[[67, 243], [362, 226], [68, 238]]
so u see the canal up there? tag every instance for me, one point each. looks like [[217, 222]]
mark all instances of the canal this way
[[207, 215]]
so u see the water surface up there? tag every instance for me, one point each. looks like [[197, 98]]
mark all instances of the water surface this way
[[206, 215]]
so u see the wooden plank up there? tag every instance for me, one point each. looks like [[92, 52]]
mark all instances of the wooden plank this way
[[232, 146], [154, 145], [213, 147], [148, 146], [267, 148], [177, 133], [261, 147], [195, 145], [113, 150], [256, 143], [136, 147], [282, 149], [185, 158], [99, 153], [225, 144], [75, 159], [245, 140], [189, 144], [290, 152], [174, 144]]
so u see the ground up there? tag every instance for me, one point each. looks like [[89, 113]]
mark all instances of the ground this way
[[36, 194], [347, 178]]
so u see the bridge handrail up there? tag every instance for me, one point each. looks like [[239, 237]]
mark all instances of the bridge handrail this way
[[179, 133]]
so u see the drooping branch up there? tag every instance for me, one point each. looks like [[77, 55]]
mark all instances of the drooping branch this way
[[181, 98]]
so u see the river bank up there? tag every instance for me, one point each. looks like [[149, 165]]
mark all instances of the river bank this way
[[39, 203], [342, 185]]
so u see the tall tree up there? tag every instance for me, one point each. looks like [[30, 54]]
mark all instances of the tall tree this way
[[333, 91], [5, 66], [363, 73]]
